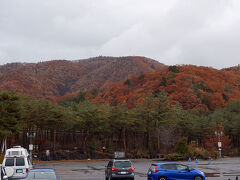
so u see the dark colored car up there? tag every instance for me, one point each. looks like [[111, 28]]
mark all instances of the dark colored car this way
[[42, 174], [173, 171], [119, 169]]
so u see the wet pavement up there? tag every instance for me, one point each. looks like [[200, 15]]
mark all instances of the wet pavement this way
[[224, 169]]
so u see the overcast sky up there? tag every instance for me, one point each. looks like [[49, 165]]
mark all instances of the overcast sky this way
[[200, 32]]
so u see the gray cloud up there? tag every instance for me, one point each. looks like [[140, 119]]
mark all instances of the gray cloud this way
[[173, 32]]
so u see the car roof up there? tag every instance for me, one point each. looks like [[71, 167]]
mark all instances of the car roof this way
[[121, 160], [42, 170], [168, 163]]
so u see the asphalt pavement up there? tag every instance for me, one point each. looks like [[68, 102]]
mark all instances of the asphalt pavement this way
[[224, 169]]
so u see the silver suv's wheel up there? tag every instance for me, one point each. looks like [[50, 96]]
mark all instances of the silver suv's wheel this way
[[198, 178]]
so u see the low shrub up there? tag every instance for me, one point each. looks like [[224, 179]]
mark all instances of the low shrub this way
[[175, 157], [198, 153]]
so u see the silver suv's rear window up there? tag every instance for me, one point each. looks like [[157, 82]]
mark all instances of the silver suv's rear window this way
[[122, 164], [9, 162], [20, 162]]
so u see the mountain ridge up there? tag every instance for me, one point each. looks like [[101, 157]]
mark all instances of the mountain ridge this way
[[57, 78], [193, 87]]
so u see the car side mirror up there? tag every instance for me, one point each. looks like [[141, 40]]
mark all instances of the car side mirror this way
[[5, 177]]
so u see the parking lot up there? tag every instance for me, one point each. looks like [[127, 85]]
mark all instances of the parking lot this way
[[223, 169]]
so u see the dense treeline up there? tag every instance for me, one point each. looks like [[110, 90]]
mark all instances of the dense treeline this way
[[153, 126]]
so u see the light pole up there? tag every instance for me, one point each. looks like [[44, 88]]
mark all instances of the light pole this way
[[31, 136], [219, 134]]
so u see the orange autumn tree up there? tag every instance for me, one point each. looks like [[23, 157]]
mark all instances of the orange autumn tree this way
[[212, 138]]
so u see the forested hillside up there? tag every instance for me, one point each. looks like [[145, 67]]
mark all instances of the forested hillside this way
[[191, 86], [143, 112], [53, 79]]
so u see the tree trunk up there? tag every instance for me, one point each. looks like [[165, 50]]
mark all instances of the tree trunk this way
[[54, 139], [85, 139], [124, 138]]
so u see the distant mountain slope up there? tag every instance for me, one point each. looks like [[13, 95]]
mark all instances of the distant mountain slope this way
[[191, 86], [57, 78]]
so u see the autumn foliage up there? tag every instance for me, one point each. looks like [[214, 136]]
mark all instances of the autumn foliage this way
[[211, 140], [54, 79], [192, 86]]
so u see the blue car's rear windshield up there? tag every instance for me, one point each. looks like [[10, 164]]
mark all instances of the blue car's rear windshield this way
[[42, 175]]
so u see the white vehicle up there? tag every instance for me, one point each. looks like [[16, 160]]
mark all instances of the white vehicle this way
[[18, 159]]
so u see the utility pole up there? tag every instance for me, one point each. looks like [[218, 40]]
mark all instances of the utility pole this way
[[219, 134], [31, 136]]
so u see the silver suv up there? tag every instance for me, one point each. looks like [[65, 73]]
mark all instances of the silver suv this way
[[18, 159], [119, 169], [21, 166]]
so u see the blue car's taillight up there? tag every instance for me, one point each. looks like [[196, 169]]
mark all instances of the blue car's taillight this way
[[155, 170]]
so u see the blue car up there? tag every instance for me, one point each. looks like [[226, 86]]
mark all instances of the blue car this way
[[173, 171], [42, 173]]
